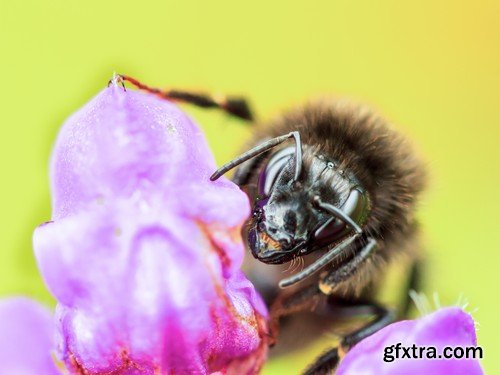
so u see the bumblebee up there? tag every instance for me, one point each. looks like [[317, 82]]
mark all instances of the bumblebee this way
[[334, 188]]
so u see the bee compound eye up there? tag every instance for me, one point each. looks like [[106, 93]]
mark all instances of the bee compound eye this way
[[273, 169]]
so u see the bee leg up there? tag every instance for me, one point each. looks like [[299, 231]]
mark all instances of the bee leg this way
[[325, 364], [346, 270], [301, 300], [383, 317], [328, 361]]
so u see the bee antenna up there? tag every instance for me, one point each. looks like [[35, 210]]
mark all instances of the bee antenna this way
[[320, 263], [263, 147], [237, 107], [338, 213]]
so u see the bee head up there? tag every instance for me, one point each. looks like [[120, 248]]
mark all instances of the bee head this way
[[305, 202], [293, 216]]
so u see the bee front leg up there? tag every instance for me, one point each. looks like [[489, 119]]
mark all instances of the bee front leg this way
[[328, 361], [349, 268]]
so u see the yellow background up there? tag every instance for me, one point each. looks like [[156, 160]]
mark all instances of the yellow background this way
[[431, 67]]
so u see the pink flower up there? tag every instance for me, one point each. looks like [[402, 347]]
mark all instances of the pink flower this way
[[447, 327], [26, 338], [143, 254]]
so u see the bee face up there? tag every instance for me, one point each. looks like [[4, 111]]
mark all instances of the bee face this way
[[281, 226], [287, 222]]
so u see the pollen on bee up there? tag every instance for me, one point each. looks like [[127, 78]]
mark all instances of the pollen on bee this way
[[325, 288], [269, 241]]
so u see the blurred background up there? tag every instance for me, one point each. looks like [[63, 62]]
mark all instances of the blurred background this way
[[432, 68]]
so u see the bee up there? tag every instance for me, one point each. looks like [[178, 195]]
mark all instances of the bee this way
[[335, 188]]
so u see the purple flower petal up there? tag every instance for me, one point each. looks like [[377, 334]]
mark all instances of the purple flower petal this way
[[446, 327], [144, 253], [123, 144], [26, 338]]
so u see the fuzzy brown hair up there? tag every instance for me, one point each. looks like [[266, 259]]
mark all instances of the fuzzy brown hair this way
[[379, 157]]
